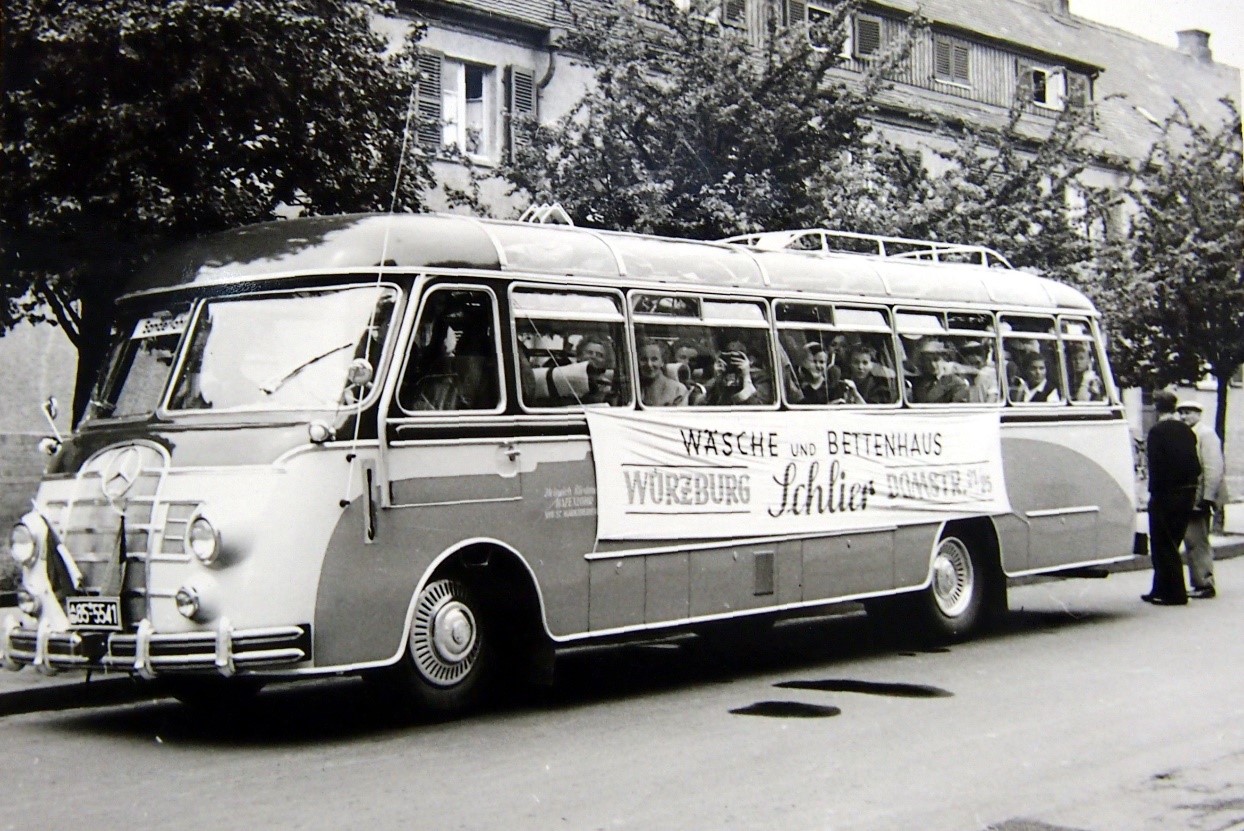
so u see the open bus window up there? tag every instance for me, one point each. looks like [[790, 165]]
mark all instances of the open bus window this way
[[138, 365], [837, 355], [282, 350], [453, 362], [1084, 376], [704, 353], [571, 349], [1033, 373]]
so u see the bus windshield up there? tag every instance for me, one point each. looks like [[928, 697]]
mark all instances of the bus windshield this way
[[287, 350]]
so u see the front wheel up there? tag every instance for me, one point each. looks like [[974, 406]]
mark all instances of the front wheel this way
[[450, 652]]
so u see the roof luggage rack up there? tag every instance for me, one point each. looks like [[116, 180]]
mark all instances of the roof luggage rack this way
[[824, 241]]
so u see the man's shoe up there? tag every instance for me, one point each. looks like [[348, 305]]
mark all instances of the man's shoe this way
[[1203, 594], [1166, 601], [1149, 598]]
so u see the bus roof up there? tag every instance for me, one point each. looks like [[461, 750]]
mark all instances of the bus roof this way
[[375, 242]]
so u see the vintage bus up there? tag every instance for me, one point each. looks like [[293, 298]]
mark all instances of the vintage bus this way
[[433, 449]]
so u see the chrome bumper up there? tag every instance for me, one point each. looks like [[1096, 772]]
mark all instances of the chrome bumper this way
[[148, 654]]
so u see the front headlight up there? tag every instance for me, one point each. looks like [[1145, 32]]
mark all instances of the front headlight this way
[[203, 540], [22, 545]]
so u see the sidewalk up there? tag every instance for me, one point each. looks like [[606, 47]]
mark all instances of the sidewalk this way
[[26, 691]]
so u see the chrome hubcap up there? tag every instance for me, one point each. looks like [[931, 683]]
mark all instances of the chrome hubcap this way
[[444, 636], [953, 577]]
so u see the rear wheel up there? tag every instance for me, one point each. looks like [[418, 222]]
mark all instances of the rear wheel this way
[[450, 652], [955, 605], [952, 607]]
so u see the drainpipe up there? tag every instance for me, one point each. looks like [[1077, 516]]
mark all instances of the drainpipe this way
[[552, 41]]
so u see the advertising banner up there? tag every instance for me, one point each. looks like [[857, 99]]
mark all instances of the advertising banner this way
[[672, 474]]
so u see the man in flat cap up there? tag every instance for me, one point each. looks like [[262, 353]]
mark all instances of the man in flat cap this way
[[1210, 496], [1170, 448]]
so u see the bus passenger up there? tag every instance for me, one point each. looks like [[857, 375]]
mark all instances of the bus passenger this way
[[1039, 387], [864, 384], [1086, 384], [738, 381], [813, 382], [656, 389], [597, 353], [984, 388], [937, 382]]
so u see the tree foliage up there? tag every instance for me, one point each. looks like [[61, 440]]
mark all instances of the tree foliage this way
[[1007, 188], [1184, 258], [692, 129], [131, 123]]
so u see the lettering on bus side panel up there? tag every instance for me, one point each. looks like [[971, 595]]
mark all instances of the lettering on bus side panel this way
[[677, 474]]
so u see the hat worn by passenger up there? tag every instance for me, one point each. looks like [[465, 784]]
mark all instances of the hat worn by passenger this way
[[932, 346], [1189, 405]]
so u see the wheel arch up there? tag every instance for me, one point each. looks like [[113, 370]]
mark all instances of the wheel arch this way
[[491, 566], [981, 536]]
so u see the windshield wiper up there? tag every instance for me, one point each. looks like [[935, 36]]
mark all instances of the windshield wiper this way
[[274, 385]]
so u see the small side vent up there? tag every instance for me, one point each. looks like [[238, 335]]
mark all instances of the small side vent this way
[[764, 573]]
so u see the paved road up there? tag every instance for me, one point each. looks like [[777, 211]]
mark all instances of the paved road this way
[[1089, 711]]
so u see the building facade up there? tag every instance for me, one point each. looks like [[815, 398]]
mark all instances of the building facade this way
[[496, 57]]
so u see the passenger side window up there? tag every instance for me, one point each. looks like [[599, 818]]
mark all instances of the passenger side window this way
[[571, 349], [1085, 381], [838, 355], [1033, 372], [949, 358], [703, 352], [452, 363]]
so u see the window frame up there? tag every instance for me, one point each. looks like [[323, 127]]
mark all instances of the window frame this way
[[624, 342], [837, 327], [1051, 336], [953, 47], [397, 411], [712, 324]]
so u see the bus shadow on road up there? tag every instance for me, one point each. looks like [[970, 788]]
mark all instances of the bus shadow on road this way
[[341, 709]]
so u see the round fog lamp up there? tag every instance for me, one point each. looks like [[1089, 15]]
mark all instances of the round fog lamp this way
[[187, 602], [22, 545], [202, 540]]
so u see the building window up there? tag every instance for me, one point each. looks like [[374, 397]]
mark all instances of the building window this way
[[468, 108], [734, 12], [951, 61], [820, 33], [1047, 87], [866, 36]]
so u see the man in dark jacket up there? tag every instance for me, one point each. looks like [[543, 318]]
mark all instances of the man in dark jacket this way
[[1173, 473]]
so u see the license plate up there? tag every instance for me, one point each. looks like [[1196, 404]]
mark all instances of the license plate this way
[[93, 612]]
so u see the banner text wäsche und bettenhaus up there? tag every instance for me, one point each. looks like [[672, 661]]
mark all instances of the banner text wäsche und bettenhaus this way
[[671, 474]]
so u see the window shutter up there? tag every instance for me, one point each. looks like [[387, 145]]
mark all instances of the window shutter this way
[[734, 12], [1077, 91], [1023, 81], [796, 12], [428, 130], [867, 36], [941, 59], [520, 88], [960, 63]]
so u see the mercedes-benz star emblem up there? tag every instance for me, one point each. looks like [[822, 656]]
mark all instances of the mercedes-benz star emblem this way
[[122, 472]]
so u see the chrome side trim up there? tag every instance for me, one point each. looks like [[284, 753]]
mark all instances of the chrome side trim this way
[[718, 544], [1082, 509]]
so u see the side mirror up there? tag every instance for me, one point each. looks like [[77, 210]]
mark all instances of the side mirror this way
[[360, 372]]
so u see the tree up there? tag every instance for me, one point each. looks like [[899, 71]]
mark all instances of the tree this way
[[1007, 188], [1186, 263], [693, 129], [128, 124]]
